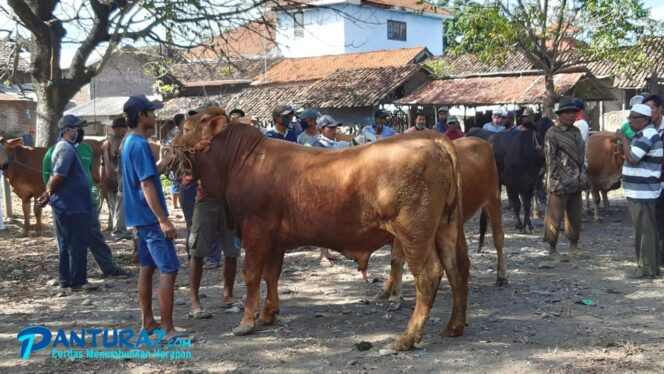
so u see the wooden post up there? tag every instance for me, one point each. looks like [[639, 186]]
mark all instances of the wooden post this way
[[7, 193]]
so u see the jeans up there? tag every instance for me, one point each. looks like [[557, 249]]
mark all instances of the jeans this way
[[72, 235], [98, 247]]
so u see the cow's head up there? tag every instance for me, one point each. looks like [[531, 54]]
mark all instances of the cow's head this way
[[201, 127], [6, 147]]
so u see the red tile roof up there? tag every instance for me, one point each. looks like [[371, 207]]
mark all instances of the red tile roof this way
[[465, 65], [652, 49], [309, 69], [356, 88], [516, 89]]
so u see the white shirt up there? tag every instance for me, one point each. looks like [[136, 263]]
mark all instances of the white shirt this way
[[582, 125]]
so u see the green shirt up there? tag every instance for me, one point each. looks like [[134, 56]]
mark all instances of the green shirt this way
[[84, 152], [627, 130]]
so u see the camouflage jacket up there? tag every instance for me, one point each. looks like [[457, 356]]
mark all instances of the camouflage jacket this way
[[564, 151]]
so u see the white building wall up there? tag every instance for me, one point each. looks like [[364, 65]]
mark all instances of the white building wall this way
[[369, 31], [323, 34], [350, 28]]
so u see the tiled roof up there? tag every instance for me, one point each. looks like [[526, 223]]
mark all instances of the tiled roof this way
[[465, 65], [357, 87], [309, 69], [653, 50], [517, 89], [255, 38], [260, 101], [411, 5], [184, 104], [209, 71]]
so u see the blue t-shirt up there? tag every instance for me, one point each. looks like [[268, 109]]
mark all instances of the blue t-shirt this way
[[290, 135], [73, 196], [138, 165], [370, 133]]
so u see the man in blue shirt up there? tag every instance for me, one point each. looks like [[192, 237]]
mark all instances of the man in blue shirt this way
[[68, 191], [378, 130], [441, 125], [496, 124], [282, 116], [29, 138], [145, 209]]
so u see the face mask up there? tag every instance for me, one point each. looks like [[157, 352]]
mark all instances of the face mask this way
[[80, 133], [287, 120]]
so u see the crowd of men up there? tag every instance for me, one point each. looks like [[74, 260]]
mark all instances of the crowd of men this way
[[136, 199]]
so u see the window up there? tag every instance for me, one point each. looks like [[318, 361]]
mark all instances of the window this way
[[298, 27], [396, 30]]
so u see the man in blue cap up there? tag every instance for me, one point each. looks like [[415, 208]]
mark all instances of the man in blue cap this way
[[378, 130], [282, 116], [68, 192], [145, 209]]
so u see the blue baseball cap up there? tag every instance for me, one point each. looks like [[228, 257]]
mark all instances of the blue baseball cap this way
[[139, 103], [380, 114], [71, 121]]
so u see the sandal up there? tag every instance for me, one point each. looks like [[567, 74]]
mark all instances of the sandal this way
[[199, 313]]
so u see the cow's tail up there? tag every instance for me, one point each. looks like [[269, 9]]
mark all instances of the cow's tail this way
[[452, 208]]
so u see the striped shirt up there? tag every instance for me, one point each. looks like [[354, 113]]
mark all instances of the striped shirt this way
[[641, 181], [660, 131]]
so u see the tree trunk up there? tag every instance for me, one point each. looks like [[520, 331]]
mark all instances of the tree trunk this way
[[51, 102], [550, 97]]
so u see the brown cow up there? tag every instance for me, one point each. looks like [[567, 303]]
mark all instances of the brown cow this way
[[479, 181], [365, 198], [23, 169], [605, 161], [24, 172]]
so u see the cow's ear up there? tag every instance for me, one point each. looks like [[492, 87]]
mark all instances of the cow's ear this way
[[13, 143], [218, 124]]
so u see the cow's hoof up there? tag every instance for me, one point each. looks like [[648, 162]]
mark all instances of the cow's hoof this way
[[383, 295], [242, 330], [393, 306], [502, 281], [403, 343], [453, 330], [266, 321]]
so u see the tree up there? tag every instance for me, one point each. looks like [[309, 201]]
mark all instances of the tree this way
[[45, 26], [553, 35]]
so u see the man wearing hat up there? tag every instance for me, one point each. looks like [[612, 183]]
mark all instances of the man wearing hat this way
[[527, 120], [282, 116], [145, 209], [508, 120], [496, 124], [68, 192], [310, 134], [453, 128], [378, 130], [441, 125], [110, 157], [564, 152], [641, 173]]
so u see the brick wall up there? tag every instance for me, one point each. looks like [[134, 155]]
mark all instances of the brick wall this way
[[123, 75], [16, 117]]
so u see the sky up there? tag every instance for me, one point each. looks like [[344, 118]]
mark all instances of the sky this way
[[656, 8]]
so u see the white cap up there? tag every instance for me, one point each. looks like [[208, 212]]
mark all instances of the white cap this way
[[642, 109], [637, 99]]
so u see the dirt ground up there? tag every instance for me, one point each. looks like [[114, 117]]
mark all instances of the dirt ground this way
[[534, 325]]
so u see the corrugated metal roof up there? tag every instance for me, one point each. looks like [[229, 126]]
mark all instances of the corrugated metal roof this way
[[100, 107], [357, 87], [524, 89]]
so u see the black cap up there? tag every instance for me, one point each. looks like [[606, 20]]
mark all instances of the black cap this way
[[380, 114], [566, 103], [71, 121]]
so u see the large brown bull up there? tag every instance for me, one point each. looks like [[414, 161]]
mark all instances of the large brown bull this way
[[354, 201], [479, 183], [605, 161]]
